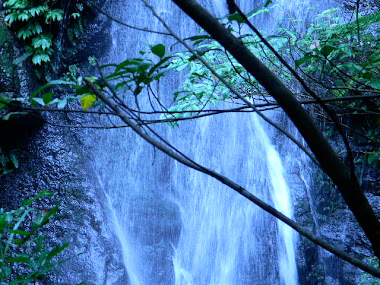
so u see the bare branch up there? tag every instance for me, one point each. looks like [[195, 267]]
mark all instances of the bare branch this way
[[265, 118], [340, 174], [306, 87], [308, 234]]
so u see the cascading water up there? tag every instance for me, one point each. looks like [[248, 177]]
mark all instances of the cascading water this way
[[176, 225], [225, 239]]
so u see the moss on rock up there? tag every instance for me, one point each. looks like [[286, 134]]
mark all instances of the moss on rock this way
[[6, 58]]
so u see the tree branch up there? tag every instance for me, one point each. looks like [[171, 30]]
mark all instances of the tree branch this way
[[340, 174], [236, 93], [306, 87], [308, 234]]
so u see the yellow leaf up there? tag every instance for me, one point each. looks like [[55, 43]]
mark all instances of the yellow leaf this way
[[87, 101]]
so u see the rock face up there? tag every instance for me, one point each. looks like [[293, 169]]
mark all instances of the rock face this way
[[56, 159], [333, 221], [323, 210], [6, 54], [157, 230], [319, 207]]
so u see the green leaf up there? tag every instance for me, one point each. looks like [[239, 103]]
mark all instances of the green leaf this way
[[22, 233], [56, 251], [258, 10], [375, 82], [38, 101], [7, 116], [158, 50], [47, 97], [267, 3], [373, 158], [14, 160], [197, 38], [43, 193], [62, 104], [88, 101], [3, 160], [6, 271], [6, 172], [305, 59], [75, 15], [330, 131], [24, 33], [23, 16], [236, 17], [10, 3], [40, 243], [21, 58], [4, 101], [326, 50], [54, 15], [41, 41], [37, 59], [41, 261], [35, 28], [37, 10], [200, 53], [79, 6], [10, 18]]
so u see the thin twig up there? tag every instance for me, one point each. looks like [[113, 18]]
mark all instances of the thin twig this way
[[242, 191], [265, 118], [305, 86]]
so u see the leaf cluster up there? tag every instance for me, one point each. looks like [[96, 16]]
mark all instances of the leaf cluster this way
[[368, 279], [8, 162], [33, 23], [342, 59], [341, 54], [24, 255], [335, 57]]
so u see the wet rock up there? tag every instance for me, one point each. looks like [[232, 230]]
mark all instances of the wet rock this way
[[56, 159], [156, 224]]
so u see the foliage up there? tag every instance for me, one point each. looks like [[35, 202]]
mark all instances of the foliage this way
[[24, 254], [341, 55], [337, 58], [200, 87], [343, 59], [329, 51], [8, 162], [368, 279], [33, 22]]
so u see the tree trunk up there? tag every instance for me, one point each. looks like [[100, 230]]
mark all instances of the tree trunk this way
[[331, 164]]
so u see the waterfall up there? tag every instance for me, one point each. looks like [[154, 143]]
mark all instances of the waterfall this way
[[176, 225], [225, 239], [282, 201]]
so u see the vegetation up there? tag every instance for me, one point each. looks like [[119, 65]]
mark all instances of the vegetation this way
[[335, 59], [24, 255], [8, 162], [329, 56], [341, 173], [33, 22], [368, 279]]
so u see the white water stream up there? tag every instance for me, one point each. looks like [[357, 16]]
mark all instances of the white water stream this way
[[176, 225]]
